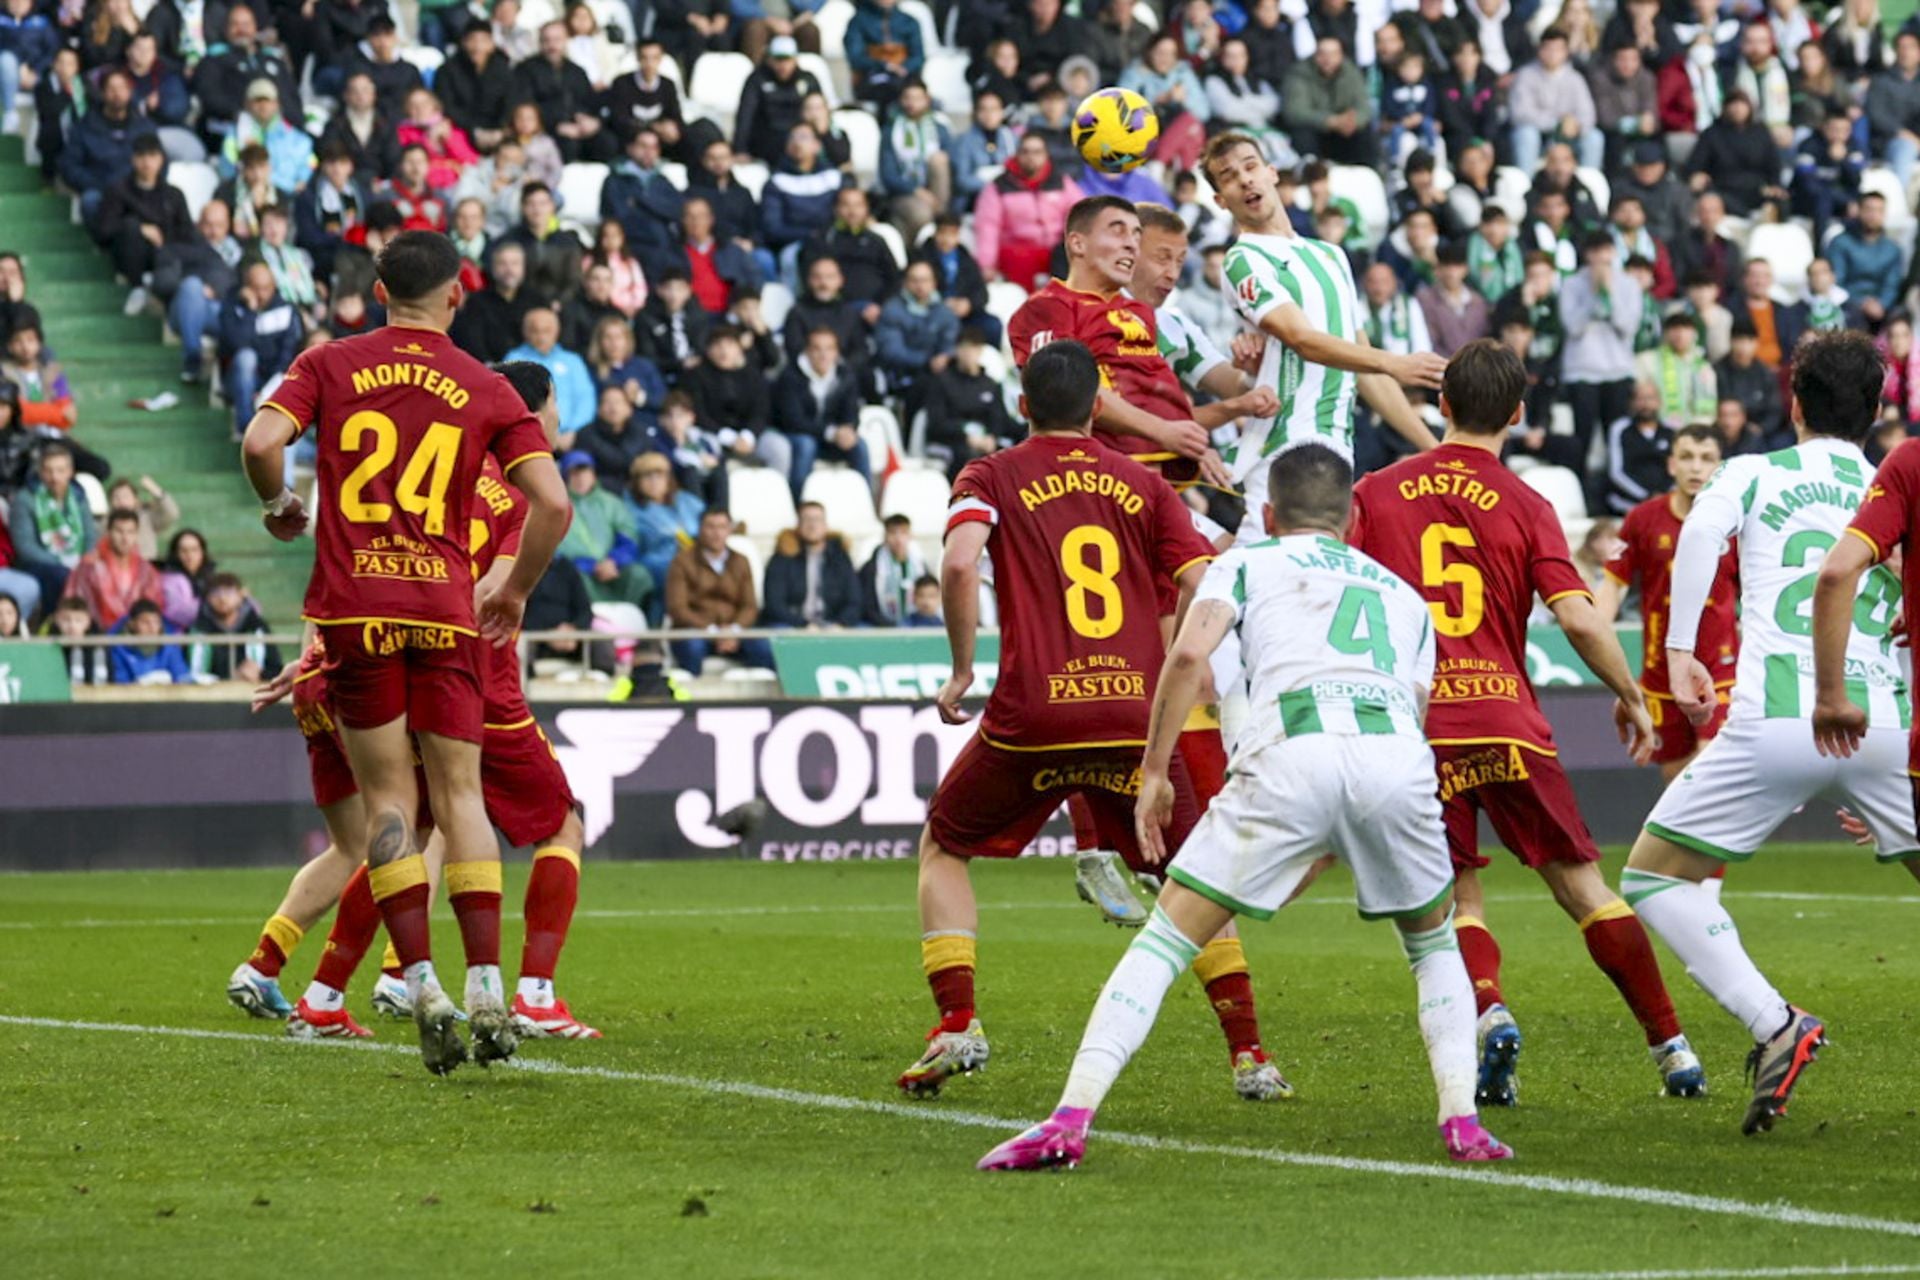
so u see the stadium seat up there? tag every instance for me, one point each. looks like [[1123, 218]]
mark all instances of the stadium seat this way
[[920, 496], [863, 137], [535, 14], [846, 496], [620, 616], [775, 301], [1004, 297], [95, 491], [1596, 183], [756, 561], [675, 173], [1562, 488], [1362, 186], [946, 77], [1879, 178], [196, 181], [670, 70], [922, 13], [613, 14], [895, 241], [831, 20], [1146, 15], [426, 58], [580, 184], [881, 430], [1789, 249], [762, 501], [752, 177], [821, 71], [718, 81]]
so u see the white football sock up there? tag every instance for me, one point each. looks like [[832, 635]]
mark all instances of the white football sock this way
[[483, 983], [537, 991], [1446, 1015], [1690, 919], [1127, 1007], [324, 998], [421, 979]]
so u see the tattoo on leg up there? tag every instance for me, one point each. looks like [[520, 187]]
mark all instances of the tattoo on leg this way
[[391, 839]]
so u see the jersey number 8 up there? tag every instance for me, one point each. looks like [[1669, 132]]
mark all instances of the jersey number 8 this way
[[422, 489], [1095, 581]]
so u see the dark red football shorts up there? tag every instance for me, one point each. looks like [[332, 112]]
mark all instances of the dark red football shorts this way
[[1675, 737], [993, 801], [378, 672], [525, 788], [1525, 795]]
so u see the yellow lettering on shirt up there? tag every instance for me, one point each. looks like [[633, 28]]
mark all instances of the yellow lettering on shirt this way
[[432, 381]]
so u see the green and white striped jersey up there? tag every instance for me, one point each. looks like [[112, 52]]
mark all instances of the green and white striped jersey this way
[[1316, 403], [1787, 508], [1331, 641], [1186, 346]]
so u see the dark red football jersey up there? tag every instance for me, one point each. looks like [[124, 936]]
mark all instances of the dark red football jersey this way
[[1123, 336], [499, 517], [1480, 545], [1889, 520], [310, 695], [1647, 538], [404, 418], [1081, 535]]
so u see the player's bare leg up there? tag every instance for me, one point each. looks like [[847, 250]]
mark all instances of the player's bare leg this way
[[949, 930], [382, 761], [1620, 948], [474, 881], [1664, 881], [1498, 1034], [255, 985], [553, 889]]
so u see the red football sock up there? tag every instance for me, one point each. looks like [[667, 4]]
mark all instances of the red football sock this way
[[474, 890], [1618, 944], [400, 888], [1205, 754], [1232, 998], [1482, 956], [552, 891], [1719, 872], [953, 993], [1086, 835], [278, 937], [355, 926]]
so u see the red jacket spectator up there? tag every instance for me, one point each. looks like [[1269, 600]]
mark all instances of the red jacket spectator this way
[[1022, 214], [448, 150], [114, 575]]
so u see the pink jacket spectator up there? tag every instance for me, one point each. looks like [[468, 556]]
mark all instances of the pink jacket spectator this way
[[1902, 387], [110, 584], [629, 283], [1019, 219], [448, 149]]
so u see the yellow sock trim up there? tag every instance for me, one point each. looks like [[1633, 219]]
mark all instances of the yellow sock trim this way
[[944, 951], [1615, 910], [1469, 922], [285, 934], [473, 877], [397, 876], [390, 958], [558, 851], [1220, 958]]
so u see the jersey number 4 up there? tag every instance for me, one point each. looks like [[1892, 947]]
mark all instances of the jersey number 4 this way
[[422, 490], [1360, 628], [1436, 574]]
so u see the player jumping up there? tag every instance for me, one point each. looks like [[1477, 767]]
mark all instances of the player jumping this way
[[1333, 757], [1480, 545], [404, 418], [1786, 739]]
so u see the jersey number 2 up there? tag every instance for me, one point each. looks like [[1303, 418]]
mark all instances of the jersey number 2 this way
[[422, 490], [1436, 573], [1095, 581]]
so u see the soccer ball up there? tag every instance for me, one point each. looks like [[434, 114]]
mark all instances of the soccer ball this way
[[1114, 128]]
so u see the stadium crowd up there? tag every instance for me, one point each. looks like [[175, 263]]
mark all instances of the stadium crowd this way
[[730, 228]]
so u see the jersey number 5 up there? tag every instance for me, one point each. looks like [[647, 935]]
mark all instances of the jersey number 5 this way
[[422, 490], [1436, 573], [1090, 582]]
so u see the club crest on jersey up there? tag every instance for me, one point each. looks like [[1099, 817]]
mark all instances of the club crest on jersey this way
[[1131, 327], [412, 349], [1249, 290]]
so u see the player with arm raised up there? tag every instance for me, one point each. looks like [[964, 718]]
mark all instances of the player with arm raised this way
[[404, 419], [1480, 545], [1340, 653], [1300, 294], [1787, 509], [1080, 537], [1648, 537]]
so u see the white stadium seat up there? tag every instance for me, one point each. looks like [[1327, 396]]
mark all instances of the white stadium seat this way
[[863, 137], [831, 20], [750, 548], [895, 241], [752, 177], [1362, 186], [196, 180], [1789, 249], [1560, 487], [920, 496], [426, 58], [1146, 15], [821, 71], [1881, 179], [670, 70], [1597, 186], [1004, 297], [847, 498], [96, 494], [881, 430], [775, 301], [675, 173], [946, 77], [762, 501], [580, 184], [718, 81]]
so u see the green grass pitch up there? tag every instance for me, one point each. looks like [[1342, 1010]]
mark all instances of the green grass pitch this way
[[651, 1154]]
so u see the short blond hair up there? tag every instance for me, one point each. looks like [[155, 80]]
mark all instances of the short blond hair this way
[[1157, 217]]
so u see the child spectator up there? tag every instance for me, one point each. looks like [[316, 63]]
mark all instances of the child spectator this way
[[137, 663], [251, 192], [13, 623], [629, 279], [496, 182], [447, 147], [114, 575], [86, 664], [292, 267], [45, 398], [28, 42], [185, 577], [1407, 108], [698, 455], [51, 525], [887, 578], [672, 326], [666, 518], [229, 611], [926, 603], [155, 507], [1828, 307]]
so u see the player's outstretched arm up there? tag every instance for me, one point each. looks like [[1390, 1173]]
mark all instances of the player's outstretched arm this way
[[263, 456], [1716, 515], [960, 606], [1291, 325], [498, 606], [1184, 675], [1837, 723], [1384, 396], [1598, 645]]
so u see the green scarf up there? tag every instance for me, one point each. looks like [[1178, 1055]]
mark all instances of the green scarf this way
[[1825, 313], [1494, 271], [1647, 337], [58, 523], [1391, 325], [1680, 385]]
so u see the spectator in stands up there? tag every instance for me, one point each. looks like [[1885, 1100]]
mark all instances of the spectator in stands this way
[[138, 216], [422, 208], [602, 539], [20, 444], [50, 524], [378, 58], [1047, 37], [1494, 261], [1777, 325], [448, 149], [1855, 40], [614, 438], [1761, 75], [517, 43], [99, 150], [561, 603], [582, 314], [869, 271], [1405, 108], [817, 407], [1050, 121], [568, 102], [251, 192], [672, 327], [186, 575], [883, 49], [836, 148], [1394, 320], [1416, 260], [476, 85], [825, 305], [1690, 94], [58, 101], [889, 577], [966, 411], [1708, 245], [1866, 262], [1625, 102], [588, 46], [260, 334], [1900, 392], [1116, 38], [1206, 300], [1468, 102], [640, 197], [1826, 175], [1737, 158], [86, 664], [988, 141], [138, 663], [13, 622], [811, 581], [495, 183], [1551, 101], [15, 310], [469, 236], [699, 456], [1168, 81], [629, 292], [762, 344], [1238, 97], [28, 41], [573, 391], [1738, 434], [1819, 92], [159, 93], [666, 518], [716, 269], [290, 149], [710, 587], [151, 505], [1711, 321], [1829, 307], [229, 611], [646, 98], [736, 214], [45, 398], [770, 104], [541, 155], [1679, 373], [1328, 111], [1666, 201], [1600, 305], [1422, 191], [916, 161], [1742, 377], [1455, 313], [492, 321], [192, 278], [113, 574], [553, 253], [222, 77], [914, 336], [1022, 215], [331, 207], [1632, 239], [1893, 108], [799, 199], [292, 266], [364, 131], [957, 276], [613, 358], [725, 390]]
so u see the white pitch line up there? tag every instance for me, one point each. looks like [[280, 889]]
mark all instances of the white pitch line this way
[[1777, 1212], [1713, 1273]]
